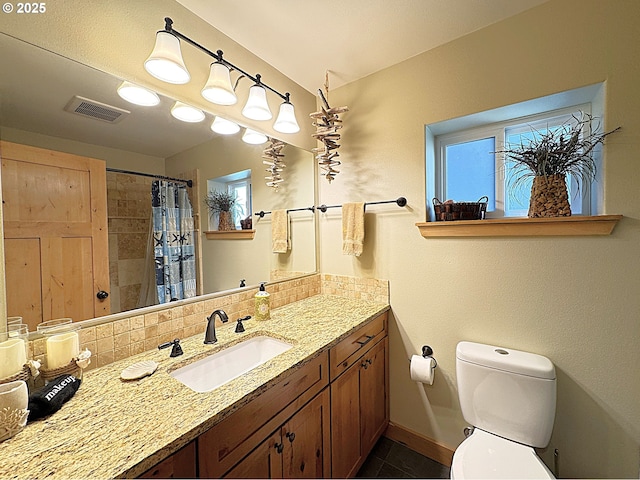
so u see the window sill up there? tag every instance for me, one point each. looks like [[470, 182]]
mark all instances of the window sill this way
[[230, 234], [521, 227]]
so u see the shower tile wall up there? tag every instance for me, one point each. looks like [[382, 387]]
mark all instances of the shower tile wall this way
[[129, 211]]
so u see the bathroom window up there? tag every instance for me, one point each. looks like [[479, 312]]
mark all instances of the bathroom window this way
[[462, 164], [238, 184]]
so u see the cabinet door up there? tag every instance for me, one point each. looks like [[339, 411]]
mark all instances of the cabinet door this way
[[264, 462], [345, 423], [373, 396], [306, 438]]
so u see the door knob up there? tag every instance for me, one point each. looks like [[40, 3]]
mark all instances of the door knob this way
[[102, 295]]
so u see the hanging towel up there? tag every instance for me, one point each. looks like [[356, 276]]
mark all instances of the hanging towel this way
[[352, 228], [280, 231]]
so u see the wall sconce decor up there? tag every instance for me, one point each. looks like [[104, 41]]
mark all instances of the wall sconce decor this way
[[166, 64], [273, 158], [327, 122]]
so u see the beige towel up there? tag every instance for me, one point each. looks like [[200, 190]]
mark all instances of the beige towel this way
[[352, 228], [280, 242]]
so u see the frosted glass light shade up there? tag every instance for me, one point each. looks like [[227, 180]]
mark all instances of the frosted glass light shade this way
[[187, 113], [286, 121], [218, 88], [253, 137], [224, 127], [138, 95], [165, 61], [257, 107]]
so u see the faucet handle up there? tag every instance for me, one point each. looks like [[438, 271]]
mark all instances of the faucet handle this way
[[239, 326], [176, 350]]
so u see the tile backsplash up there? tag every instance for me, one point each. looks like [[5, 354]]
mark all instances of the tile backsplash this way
[[127, 336]]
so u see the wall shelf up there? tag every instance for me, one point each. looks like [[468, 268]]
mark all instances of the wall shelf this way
[[230, 234], [521, 227]]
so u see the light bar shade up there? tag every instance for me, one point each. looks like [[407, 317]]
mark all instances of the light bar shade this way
[[253, 137], [138, 95], [218, 88], [224, 127], [165, 61], [187, 113], [257, 107], [286, 121]]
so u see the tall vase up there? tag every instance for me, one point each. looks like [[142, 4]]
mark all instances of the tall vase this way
[[225, 222], [549, 197]]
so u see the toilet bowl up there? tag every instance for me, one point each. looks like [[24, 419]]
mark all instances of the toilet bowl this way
[[484, 455], [509, 397]]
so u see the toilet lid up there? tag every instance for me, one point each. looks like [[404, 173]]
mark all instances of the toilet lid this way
[[484, 455]]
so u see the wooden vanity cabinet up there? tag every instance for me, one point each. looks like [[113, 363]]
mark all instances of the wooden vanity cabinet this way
[[243, 444], [295, 450], [359, 396], [181, 464]]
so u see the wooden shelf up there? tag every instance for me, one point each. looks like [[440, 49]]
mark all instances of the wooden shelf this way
[[521, 227], [230, 234]]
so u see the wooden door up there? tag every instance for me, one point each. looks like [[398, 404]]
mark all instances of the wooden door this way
[[55, 230], [306, 438], [181, 464], [345, 423], [373, 396], [264, 462]]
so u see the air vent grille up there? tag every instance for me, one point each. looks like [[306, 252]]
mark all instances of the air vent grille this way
[[99, 111]]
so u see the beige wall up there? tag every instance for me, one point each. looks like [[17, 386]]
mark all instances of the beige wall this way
[[573, 299]]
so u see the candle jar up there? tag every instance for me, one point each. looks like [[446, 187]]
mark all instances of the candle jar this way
[[13, 352], [62, 345]]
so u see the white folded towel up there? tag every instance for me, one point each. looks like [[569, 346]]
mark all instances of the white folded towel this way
[[280, 242], [352, 228]]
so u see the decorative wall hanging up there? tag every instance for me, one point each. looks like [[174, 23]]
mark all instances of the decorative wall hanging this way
[[274, 160], [327, 123]]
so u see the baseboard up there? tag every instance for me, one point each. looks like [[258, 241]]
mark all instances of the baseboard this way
[[421, 444]]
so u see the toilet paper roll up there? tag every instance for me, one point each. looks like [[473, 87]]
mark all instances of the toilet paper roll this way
[[422, 369]]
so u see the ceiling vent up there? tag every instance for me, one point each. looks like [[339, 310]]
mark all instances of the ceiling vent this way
[[99, 111]]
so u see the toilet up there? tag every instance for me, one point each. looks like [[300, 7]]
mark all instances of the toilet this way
[[509, 397]]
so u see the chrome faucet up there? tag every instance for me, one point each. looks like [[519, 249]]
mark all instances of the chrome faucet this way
[[210, 334]]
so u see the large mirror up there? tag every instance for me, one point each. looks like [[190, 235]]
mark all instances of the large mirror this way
[[41, 84]]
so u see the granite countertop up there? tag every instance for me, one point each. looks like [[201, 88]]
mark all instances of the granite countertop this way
[[112, 428]]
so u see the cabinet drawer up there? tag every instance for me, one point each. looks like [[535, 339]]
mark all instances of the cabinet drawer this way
[[345, 353], [225, 444]]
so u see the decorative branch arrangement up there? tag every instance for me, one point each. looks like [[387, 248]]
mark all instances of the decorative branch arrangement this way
[[274, 159], [327, 123]]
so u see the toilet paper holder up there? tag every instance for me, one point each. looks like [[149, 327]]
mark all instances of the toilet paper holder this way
[[427, 351]]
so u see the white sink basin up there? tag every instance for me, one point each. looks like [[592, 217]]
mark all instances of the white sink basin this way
[[222, 367]]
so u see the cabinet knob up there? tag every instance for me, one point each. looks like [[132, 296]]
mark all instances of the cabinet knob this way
[[364, 365], [291, 436], [368, 360], [279, 447], [102, 295]]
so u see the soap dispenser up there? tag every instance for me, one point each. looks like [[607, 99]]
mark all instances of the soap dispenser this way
[[263, 311]]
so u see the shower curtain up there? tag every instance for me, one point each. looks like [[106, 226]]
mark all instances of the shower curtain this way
[[173, 241]]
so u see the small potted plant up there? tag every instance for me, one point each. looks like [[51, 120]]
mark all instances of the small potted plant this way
[[549, 157], [225, 205]]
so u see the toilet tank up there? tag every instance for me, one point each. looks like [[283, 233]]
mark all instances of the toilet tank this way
[[507, 392]]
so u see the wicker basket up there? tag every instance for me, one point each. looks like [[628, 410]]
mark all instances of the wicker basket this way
[[446, 212]]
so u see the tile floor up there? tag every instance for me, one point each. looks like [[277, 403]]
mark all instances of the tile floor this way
[[390, 459]]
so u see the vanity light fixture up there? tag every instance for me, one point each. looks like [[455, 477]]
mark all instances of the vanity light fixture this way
[[187, 113], [224, 127], [253, 137], [166, 63], [257, 107], [286, 121], [138, 95], [218, 88]]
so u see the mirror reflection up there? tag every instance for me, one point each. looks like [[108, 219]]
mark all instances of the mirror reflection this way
[[37, 93]]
